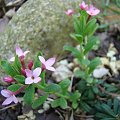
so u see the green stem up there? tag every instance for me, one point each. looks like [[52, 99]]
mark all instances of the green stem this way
[[39, 86]]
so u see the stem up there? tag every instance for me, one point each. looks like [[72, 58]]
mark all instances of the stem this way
[[19, 90], [88, 18]]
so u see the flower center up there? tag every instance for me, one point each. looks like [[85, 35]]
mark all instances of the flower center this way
[[32, 77]]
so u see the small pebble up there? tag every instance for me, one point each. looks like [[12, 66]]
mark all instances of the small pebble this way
[[40, 111], [104, 61], [75, 61], [21, 117], [46, 106], [71, 65], [111, 54], [100, 72], [10, 13], [75, 69], [30, 114]]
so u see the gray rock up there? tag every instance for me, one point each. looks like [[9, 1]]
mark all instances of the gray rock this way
[[39, 25], [100, 72], [62, 71]]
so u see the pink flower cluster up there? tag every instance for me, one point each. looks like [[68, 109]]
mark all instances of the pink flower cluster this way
[[90, 9], [31, 76]]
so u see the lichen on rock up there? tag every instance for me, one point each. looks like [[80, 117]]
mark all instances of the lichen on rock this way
[[39, 25]]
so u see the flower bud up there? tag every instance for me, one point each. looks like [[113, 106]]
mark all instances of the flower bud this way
[[30, 64], [8, 79], [69, 12], [23, 71], [83, 6]]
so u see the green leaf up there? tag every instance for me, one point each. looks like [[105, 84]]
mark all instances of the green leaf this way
[[82, 23], [93, 64], [74, 104], [90, 27], [79, 74], [29, 94], [39, 101], [82, 86], [108, 119], [85, 106], [77, 37], [95, 89], [89, 80], [108, 110], [74, 97], [7, 67], [37, 62], [102, 115], [91, 43], [91, 95], [17, 64], [43, 83], [59, 102], [14, 87], [74, 51], [20, 79], [116, 105], [84, 14], [64, 84], [52, 88], [85, 62], [76, 24]]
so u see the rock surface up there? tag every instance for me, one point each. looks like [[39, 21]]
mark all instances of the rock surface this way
[[62, 71], [39, 25]]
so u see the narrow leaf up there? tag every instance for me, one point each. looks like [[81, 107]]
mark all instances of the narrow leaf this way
[[29, 94], [20, 79], [14, 87], [7, 67], [39, 101]]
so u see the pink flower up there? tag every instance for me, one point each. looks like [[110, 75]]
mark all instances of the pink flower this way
[[69, 12], [47, 64], [93, 11], [32, 76], [83, 6], [8, 79], [20, 53], [10, 97]]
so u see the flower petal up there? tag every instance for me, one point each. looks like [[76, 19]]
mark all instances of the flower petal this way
[[6, 93], [36, 80], [26, 52], [8, 101], [12, 59], [91, 10], [50, 68], [28, 72], [15, 100], [42, 59], [19, 51], [29, 80], [83, 5], [36, 72], [50, 62]]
